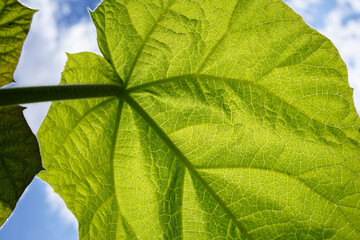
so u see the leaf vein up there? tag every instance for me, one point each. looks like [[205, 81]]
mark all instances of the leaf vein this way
[[185, 161], [135, 61]]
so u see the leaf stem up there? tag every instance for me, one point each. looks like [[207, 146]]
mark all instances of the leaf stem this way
[[12, 96]]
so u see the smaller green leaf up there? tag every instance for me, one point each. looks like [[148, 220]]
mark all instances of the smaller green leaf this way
[[15, 22], [19, 158]]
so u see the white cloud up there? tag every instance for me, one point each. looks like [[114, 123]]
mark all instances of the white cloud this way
[[308, 9], [43, 56], [302, 4], [58, 205], [354, 4]]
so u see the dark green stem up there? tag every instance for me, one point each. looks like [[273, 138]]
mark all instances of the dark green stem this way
[[13, 96]]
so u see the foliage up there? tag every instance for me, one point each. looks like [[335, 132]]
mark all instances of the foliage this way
[[19, 153], [226, 119]]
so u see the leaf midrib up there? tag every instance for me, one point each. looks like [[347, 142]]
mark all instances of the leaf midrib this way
[[192, 169], [112, 149], [177, 152]]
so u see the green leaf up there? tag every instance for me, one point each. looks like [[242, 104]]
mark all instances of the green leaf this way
[[15, 22], [235, 121], [19, 153], [19, 158]]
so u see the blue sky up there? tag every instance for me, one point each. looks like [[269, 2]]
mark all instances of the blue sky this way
[[64, 26]]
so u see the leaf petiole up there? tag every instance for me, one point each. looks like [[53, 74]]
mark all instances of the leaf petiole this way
[[12, 96]]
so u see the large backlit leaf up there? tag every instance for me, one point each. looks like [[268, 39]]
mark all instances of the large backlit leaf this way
[[237, 121], [19, 151]]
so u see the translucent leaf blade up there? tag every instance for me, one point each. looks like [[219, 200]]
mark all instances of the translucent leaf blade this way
[[238, 123]]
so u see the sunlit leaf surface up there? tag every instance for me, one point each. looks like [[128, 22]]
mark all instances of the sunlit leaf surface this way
[[237, 122]]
